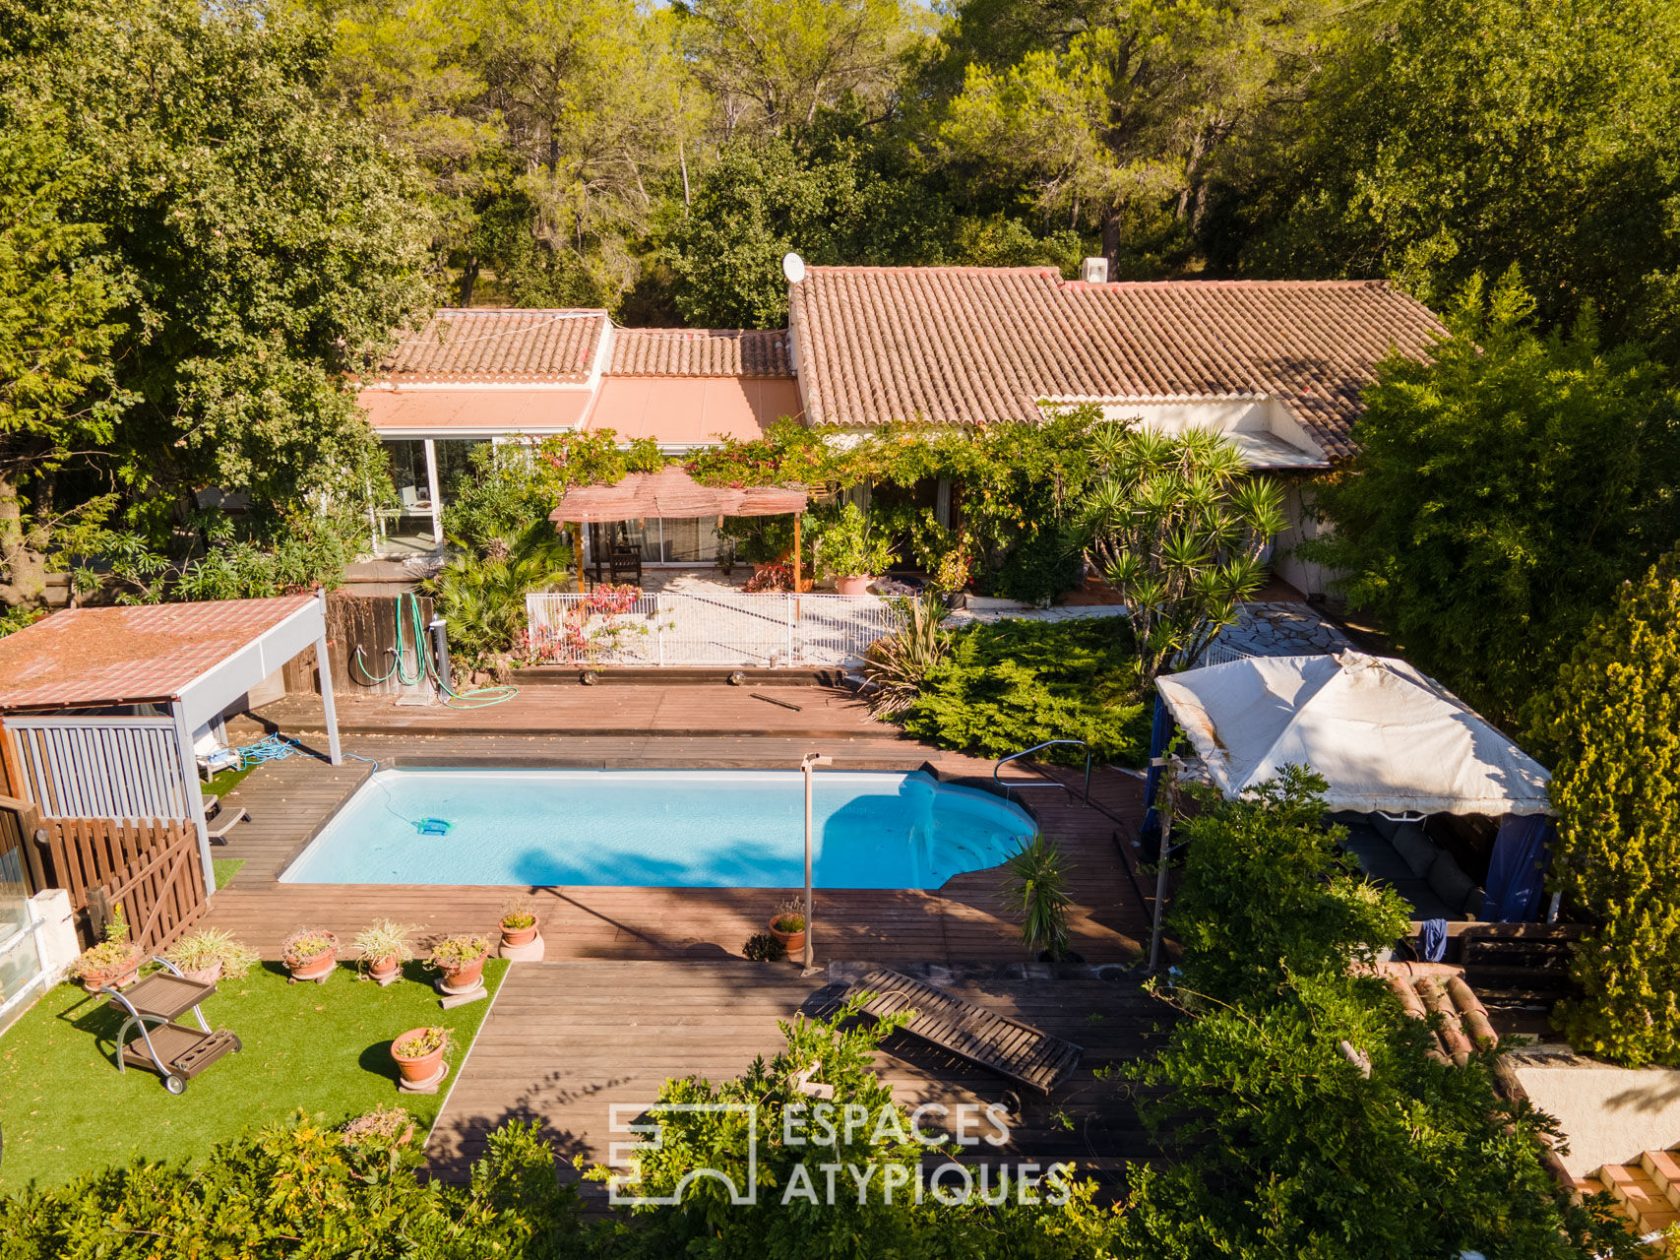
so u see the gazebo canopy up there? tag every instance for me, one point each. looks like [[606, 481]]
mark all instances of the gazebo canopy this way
[[1385, 737], [671, 494]]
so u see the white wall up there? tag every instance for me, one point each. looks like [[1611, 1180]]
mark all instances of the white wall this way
[[1309, 579]]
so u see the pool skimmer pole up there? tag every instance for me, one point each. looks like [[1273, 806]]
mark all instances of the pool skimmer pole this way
[[807, 764]]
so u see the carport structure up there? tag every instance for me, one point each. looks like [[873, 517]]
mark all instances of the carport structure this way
[[100, 707]]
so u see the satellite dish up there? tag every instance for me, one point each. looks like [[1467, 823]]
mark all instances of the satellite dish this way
[[793, 267]]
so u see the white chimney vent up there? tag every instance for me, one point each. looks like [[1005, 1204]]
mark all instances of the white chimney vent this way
[[1094, 271]]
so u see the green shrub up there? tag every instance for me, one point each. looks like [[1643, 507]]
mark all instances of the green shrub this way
[[899, 666], [303, 1190], [1012, 684], [1266, 895], [1615, 717]]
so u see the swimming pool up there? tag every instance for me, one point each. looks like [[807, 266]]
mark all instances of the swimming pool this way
[[663, 828]]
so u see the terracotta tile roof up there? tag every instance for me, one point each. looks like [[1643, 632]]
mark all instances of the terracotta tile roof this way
[[699, 352], [953, 345], [496, 345], [89, 657]]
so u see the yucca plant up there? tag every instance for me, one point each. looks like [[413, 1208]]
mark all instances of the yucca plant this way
[[1036, 889], [898, 665], [1178, 526]]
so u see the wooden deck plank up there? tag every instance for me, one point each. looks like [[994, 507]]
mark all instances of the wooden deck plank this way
[[549, 1051]]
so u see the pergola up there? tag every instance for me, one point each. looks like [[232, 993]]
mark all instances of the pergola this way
[[672, 494], [100, 705]]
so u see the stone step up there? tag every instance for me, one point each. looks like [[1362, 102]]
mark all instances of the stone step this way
[[1663, 1168], [1646, 1206]]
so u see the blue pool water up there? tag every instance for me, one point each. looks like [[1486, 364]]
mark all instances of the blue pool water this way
[[686, 828]]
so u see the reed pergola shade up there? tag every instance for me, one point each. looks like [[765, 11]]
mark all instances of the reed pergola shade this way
[[671, 494]]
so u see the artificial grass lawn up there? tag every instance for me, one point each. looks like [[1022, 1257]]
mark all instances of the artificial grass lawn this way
[[224, 869], [324, 1048]]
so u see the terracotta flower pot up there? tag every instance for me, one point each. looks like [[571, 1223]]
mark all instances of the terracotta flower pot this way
[[857, 584], [513, 937], [314, 968], [792, 942], [466, 977], [203, 975], [416, 1069], [384, 968], [116, 977]]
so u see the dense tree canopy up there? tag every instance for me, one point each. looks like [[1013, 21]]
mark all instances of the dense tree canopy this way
[[226, 249], [1501, 493]]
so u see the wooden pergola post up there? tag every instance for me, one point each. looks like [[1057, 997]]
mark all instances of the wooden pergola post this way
[[577, 554], [798, 575]]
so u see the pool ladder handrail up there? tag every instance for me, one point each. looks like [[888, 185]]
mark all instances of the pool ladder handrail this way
[[1027, 752]]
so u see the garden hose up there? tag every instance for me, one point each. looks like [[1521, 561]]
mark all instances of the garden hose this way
[[412, 628]]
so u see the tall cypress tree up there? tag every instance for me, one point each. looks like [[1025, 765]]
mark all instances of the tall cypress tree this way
[[1615, 717]]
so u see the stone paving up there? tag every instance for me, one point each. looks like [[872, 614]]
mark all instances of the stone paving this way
[[1278, 629]]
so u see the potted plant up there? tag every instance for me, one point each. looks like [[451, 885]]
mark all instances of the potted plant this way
[[850, 553], [461, 960], [519, 923], [310, 953], [418, 1054], [208, 955], [1036, 888], [383, 948], [787, 925], [115, 961]]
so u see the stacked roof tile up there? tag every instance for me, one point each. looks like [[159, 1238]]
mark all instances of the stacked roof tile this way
[[956, 345], [489, 346], [699, 352]]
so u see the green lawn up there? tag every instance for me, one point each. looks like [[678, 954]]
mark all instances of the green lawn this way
[[323, 1048], [224, 870]]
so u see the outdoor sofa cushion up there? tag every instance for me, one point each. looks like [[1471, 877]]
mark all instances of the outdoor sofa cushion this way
[[1417, 850], [1448, 882]]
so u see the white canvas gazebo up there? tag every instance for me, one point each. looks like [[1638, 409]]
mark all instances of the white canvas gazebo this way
[[1385, 737]]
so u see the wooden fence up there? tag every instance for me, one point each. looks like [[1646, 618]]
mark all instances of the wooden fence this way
[[151, 869], [362, 632]]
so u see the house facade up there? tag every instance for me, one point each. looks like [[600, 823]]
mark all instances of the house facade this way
[[1277, 366]]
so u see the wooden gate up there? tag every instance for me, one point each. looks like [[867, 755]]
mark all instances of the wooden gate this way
[[151, 869], [160, 893]]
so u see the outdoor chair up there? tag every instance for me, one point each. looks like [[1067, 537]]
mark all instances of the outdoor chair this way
[[150, 1037], [625, 563]]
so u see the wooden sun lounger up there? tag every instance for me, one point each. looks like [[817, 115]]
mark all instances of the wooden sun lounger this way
[[225, 822], [1012, 1049]]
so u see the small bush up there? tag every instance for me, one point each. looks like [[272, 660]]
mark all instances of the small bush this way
[[1007, 686], [1036, 890], [762, 947]]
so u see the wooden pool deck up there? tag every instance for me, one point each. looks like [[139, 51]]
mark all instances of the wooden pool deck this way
[[643, 984], [565, 1041], [964, 921], [674, 726]]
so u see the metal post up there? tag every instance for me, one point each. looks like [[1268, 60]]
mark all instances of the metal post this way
[[809, 763], [323, 670], [195, 797], [1169, 782], [440, 653]]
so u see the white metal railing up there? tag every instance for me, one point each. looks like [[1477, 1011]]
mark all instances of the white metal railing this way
[[102, 767], [705, 628]]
